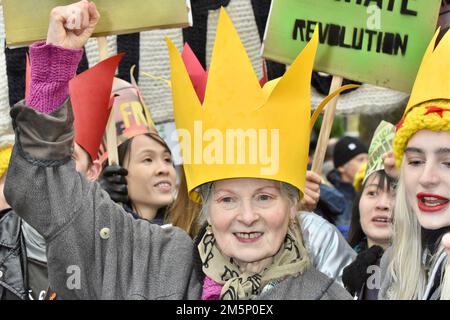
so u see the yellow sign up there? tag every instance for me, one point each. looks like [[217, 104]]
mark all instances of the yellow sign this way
[[26, 21]]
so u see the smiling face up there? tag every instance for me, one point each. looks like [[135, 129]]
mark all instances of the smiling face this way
[[375, 209], [426, 172], [249, 218], [151, 174]]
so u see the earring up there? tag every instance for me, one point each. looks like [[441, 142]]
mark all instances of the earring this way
[[293, 222]]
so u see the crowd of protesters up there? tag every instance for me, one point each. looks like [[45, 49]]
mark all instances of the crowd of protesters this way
[[142, 228]]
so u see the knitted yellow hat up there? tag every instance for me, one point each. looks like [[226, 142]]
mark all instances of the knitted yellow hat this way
[[431, 115], [429, 105], [5, 155]]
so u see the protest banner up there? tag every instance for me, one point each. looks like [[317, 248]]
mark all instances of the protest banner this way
[[380, 42], [377, 42], [27, 22]]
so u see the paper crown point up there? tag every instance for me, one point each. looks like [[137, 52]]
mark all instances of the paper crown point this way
[[232, 82], [433, 78], [199, 75], [196, 72], [90, 93]]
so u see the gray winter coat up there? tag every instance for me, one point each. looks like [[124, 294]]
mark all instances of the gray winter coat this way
[[95, 250]]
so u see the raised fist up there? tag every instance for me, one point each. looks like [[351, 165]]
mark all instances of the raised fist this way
[[71, 26], [389, 165]]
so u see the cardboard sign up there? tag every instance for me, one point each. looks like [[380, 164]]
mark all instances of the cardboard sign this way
[[381, 143], [26, 21], [380, 42]]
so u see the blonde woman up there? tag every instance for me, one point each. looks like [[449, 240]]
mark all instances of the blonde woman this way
[[416, 266]]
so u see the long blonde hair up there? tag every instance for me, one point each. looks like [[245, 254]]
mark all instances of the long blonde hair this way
[[408, 275]]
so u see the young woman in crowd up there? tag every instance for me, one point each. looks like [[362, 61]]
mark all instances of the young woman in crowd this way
[[145, 179], [416, 266], [371, 224]]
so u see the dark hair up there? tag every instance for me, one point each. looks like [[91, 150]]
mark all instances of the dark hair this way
[[356, 234], [125, 148], [90, 161]]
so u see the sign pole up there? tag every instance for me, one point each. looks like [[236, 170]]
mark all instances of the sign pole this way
[[325, 129], [111, 136], [102, 48]]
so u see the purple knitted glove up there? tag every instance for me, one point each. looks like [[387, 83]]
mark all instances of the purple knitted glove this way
[[51, 69]]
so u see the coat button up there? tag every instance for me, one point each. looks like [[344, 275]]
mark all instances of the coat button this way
[[105, 233]]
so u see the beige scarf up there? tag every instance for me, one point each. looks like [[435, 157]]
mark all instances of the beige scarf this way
[[247, 285]]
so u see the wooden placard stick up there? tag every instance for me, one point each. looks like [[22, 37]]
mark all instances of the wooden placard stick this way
[[325, 129], [111, 134]]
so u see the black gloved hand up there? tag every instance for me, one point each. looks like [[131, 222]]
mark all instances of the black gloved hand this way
[[355, 274], [113, 181]]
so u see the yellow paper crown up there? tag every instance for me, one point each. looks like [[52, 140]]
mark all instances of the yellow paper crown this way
[[429, 104], [433, 79], [274, 122]]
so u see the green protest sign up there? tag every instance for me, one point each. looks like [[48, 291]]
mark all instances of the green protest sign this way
[[26, 21], [380, 144], [380, 42]]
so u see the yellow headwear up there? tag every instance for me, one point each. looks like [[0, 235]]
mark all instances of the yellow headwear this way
[[243, 130], [359, 177], [429, 104], [5, 156]]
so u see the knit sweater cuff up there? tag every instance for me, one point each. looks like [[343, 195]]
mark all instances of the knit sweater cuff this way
[[51, 69]]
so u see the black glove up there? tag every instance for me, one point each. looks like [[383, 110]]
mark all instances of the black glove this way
[[355, 274], [113, 181]]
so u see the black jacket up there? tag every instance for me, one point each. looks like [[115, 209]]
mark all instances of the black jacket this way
[[349, 194], [13, 279], [356, 276]]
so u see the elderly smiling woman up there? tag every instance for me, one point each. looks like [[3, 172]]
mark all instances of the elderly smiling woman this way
[[252, 248], [250, 220]]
